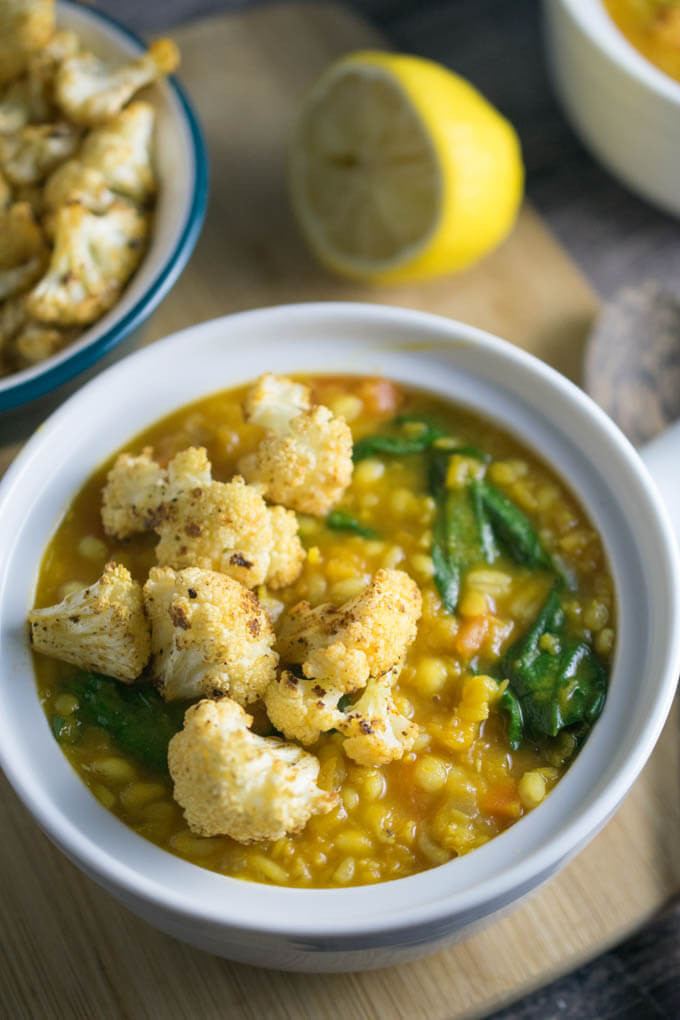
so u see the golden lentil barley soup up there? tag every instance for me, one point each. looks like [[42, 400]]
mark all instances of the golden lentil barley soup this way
[[432, 714]]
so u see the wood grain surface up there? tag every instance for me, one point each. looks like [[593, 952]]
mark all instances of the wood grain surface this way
[[68, 950]]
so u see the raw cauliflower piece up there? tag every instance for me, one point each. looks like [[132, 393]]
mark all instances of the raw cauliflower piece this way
[[23, 252], [209, 636], [29, 155], [134, 490], [91, 91], [287, 555], [375, 730], [102, 628], [92, 260], [305, 459], [366, 636], [25, 26], [230, 782], [302, 709]]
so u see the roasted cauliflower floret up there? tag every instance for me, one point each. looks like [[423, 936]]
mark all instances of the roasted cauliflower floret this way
[[91, 91], [5, 193], [23, 252], [34, 342], [209, 636], [31, 154], [375, 730], [231, 782], [302, 709], [305, 459], [16, 107], [273, 400], [75, 183], [134, 490], [25, 26], [102, 628], [92, 259], [121, 151], [365, 637], [222, 526], [287, 555]]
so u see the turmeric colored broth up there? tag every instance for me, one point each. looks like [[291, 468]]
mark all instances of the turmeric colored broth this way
[[462, 784], [653, 28]]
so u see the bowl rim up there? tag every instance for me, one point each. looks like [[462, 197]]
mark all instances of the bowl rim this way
[[596, 22], [25, 390], [520, 874]]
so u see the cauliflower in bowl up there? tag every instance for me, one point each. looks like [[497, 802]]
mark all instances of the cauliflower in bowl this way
[[77, 180], [333, 683]]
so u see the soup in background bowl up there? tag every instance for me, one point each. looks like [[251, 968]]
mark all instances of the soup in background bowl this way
[[529, 413]]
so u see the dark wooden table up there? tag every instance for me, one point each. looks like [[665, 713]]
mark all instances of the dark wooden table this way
[[617, 239]]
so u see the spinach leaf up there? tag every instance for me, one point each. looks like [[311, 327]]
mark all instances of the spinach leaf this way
[[398, 446], [512, 526], [140, 722], [551, 688], [459, 541], [340, 520]]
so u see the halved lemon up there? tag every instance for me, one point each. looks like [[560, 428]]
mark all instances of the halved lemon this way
[[399, 169]]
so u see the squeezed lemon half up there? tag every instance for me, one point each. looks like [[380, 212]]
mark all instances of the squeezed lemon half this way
[[400, 170]]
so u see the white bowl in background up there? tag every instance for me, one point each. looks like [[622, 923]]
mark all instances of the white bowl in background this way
[[625, 109], [377, 925], [182, 174]]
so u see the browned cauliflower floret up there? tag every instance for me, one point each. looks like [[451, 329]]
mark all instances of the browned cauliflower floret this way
[[91, 91], [73, 182], [287, 555], [364, 637], [209, 636], [302, 709], [115, 158], [273, 400], [25, 26], [231, 782], [102, 628], [134, 490], [23, 253], [305, 459], [42, 69], [222, 526], [376, 732], [92, 260], [16, 107], [34, 342], [29, 155], [121, 151], [5, 193]]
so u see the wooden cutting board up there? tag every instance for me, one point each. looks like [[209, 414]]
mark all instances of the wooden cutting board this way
[[68, 950]]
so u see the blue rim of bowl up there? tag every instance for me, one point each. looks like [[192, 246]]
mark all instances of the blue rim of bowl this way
[[26, 391]]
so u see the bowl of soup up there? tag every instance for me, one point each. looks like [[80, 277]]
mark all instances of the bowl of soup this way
[[616, 66], [348, 739]]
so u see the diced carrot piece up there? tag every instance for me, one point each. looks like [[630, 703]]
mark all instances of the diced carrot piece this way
[[471, 634]]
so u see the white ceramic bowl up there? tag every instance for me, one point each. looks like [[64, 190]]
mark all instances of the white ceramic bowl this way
[[182, 172], [624, 108], [386, 923]]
